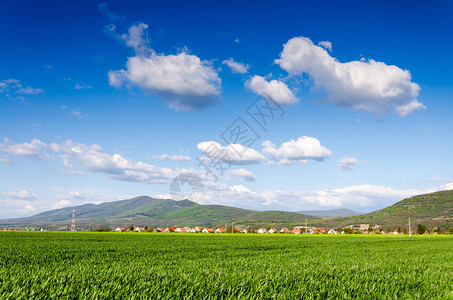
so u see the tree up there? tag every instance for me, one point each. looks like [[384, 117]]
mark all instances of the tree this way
[[436, 229], [348, 230], [103, 228], [421, 229]]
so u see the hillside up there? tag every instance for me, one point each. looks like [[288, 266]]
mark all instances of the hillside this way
[[330, 213], [434, 209], [147, 211], [218, 215]]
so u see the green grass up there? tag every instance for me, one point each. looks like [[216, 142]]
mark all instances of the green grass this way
[[186, 266]]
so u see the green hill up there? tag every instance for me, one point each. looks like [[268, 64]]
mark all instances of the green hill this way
[[147, 211], [434, 209], [218, 215]]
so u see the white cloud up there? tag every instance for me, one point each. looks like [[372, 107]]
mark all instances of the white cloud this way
[[236, 67], [94, 159], [32, 149], [277, 90], [5, 159], [15, 86], [326, 45], [19, 195], [298, 151], [18, 202], [354, 197], [347, 163], [183, 80], [29, 91], [241, 173], [165, 156], [235, 154], [137, 39], [82, 86], [362, 85]]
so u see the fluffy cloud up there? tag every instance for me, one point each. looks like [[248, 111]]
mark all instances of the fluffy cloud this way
[[94, 159], [32, 149], [165, 156], [347, 163], [296, 151], [241, 173], [236, 67], [362, 85], [276, 89], [91, 158], [289, 153], [235, 154], [183, 80]]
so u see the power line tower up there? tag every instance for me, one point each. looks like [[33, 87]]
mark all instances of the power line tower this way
[[73, 217]]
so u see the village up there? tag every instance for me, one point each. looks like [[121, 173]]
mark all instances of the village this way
[[351, 229]]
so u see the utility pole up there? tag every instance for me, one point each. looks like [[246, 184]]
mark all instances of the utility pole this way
[[73, 217], [306, 226], [410, 227], [232, 227]]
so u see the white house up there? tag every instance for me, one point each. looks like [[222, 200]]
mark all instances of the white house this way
[[139, 229], [180, 230], [285, 230], [207, 230], [262, 230], [331, 231], [120, 229], [220, 230], [272, 230], [244, 231]]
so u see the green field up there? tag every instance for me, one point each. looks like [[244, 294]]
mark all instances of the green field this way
[[185, 266]]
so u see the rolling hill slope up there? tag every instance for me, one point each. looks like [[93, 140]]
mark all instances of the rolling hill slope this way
[[147, 211], [330, 213], [434, 209]]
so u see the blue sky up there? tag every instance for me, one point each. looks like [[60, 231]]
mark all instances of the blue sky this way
[[101, 101]]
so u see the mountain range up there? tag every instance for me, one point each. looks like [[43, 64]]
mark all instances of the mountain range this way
[[434, 209], [147, 211]]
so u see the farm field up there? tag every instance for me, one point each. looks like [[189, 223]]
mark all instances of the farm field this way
[[186, 266]]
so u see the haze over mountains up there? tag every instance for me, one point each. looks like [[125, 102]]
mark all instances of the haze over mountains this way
[[435, 209]]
